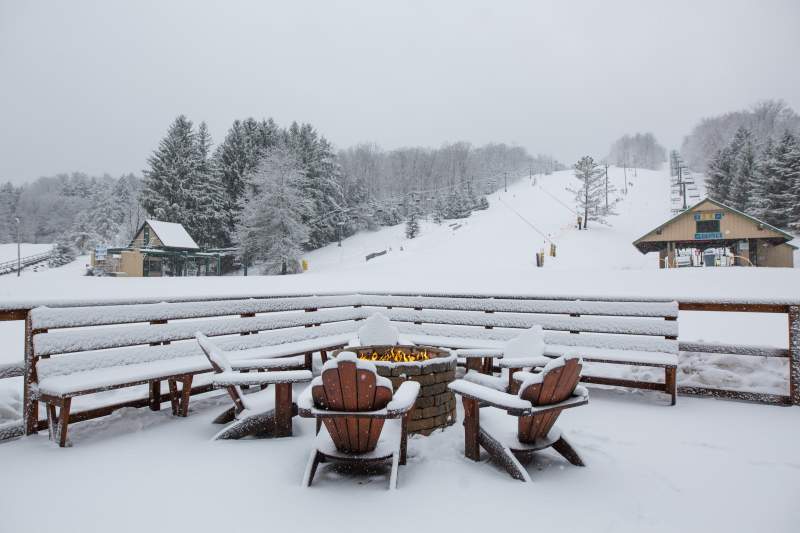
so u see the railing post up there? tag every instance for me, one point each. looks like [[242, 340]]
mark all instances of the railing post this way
[[30, 406], [794, 354]]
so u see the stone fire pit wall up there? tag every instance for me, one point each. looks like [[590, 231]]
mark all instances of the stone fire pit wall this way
[[436, 405]]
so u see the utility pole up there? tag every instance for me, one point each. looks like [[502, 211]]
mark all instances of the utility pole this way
[[505, 187], [19, 260], [606, 187]]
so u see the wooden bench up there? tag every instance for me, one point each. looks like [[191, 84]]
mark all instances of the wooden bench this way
[[607, 332], [80, 351]]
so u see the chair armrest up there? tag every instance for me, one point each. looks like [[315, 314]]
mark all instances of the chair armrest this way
[[579, 397], [403, 398], [492, 397], [266, 364], [227, 379]]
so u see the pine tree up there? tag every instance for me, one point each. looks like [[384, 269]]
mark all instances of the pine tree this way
[[271, 228], [207, 196], [744, 174], [777, 174], [9, 195], [439, 210], [63, 254], [591, 194], [173, 167], [483, 203], [236, 160], [720, 173], [412, 224]]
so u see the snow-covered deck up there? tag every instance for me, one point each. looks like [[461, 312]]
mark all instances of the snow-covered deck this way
[[702, 465]]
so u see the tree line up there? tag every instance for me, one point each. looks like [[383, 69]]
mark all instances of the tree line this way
[[640, 150], [270, 192], [759, 177]]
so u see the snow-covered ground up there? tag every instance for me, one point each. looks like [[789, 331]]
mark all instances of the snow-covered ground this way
[[702, 465]]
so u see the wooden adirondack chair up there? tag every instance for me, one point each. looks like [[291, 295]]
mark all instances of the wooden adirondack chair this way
[[541, 399], [259, 413], [359, 419]]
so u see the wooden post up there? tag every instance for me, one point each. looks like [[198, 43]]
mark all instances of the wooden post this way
[[472, 448], [155, 395], [794, 354], [30, 406], [283, 410]]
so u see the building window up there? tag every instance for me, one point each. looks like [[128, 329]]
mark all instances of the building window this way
[[146, 235], [707, 226]]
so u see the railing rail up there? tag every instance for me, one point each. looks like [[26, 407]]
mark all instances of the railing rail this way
[[8, 267], [19, 311]]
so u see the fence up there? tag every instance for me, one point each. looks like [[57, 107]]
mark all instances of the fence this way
[[11, 266], [19, 312]]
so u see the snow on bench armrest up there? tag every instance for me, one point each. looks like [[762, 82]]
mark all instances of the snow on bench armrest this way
[[524, 362], [256, 364], [493, 397], [225, 379], [493, 382], [403, 398], [469, 353]]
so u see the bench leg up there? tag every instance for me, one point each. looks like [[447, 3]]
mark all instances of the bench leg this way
[[63, 421], [283, 410], [471, 429], [173, 395], [52, 420], [186, 392], [155, 395], [512, 385], [671, 382]]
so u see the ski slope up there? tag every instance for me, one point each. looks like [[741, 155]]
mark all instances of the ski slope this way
[[506, 237]]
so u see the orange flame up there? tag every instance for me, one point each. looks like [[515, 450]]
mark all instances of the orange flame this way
[[396, 355]]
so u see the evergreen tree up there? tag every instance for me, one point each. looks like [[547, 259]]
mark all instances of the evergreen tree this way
[[9, 195], [773, 192], [236, 160], [412, 224], [271, 228], [63, 254], [720, 173], [169, 178], [744, 173], [439, 210], [483, 203], [207, 196], [591, 194]]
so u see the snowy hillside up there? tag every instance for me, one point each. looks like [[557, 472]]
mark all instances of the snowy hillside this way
[[506, 237], [8, 252]]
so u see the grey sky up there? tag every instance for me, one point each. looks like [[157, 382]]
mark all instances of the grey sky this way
[[92, 86]]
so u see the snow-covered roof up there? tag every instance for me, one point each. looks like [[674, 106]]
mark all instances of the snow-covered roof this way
[[172, 235]]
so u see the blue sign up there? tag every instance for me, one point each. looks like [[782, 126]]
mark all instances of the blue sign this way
[[708, 236]]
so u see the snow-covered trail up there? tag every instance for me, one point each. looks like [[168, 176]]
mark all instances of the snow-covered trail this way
[[507, 236]]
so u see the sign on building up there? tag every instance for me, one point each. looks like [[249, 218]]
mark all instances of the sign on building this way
[[100, 253]]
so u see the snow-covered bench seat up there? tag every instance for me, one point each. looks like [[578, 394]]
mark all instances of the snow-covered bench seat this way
[[86, 350]]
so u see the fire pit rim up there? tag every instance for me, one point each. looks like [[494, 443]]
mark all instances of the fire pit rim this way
[[445, 354]]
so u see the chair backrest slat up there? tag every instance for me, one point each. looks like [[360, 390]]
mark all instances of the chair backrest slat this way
[[557, 384], [348, 385]]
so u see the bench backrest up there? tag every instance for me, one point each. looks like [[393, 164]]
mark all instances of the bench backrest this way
[[352, 385], [75, 339]]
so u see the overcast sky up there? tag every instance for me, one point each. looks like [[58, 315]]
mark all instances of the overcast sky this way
[[92, 86]]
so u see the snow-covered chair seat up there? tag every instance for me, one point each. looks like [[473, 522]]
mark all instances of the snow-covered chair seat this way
[[362, 420], [537, 406], [263, 412]]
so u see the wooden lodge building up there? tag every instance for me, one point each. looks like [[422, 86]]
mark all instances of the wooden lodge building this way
[[159, 249], [712, 234]]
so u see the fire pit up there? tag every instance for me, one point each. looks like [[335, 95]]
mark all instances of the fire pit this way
[[432, 368]]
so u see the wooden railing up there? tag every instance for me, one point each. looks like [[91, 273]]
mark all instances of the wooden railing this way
[[19, 311], [9, 267]]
